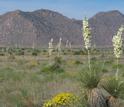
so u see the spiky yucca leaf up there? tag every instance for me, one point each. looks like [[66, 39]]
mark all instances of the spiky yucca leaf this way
[[113, 86], [90, 79]]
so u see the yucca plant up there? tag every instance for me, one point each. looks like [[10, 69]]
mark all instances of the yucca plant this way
[[117, 44], [115, 87], [87, 38], [89, 81], [90, 78]]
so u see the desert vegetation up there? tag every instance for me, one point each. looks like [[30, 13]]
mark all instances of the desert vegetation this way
[[62, 76]]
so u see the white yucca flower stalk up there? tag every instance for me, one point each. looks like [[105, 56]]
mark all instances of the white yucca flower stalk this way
[[117, 44], [67, 44], [33, 45], [87, 38], [59, 46], [86, 33], [70, 46], [50, 47]]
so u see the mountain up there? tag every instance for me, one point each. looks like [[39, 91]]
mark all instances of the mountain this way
[[104, 26], [35, 29]]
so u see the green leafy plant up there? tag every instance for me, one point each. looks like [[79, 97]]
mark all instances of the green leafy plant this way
[[115, 87], [35, 52], [56, 66], [19, 52], [89, 79]]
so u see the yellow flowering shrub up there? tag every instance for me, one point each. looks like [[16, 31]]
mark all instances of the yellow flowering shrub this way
[[62, 99], [70, 62], [32, 63]]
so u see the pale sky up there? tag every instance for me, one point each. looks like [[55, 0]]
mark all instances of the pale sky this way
[[72, 8]]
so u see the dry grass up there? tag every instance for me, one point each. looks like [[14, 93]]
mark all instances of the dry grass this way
[[22, 84]]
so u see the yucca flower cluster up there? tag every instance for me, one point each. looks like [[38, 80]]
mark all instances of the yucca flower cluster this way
[[87, 38], [117, 42], [61, 100], [50, 47], [70, 45], [67, 44], [86, 33], [59, 46]]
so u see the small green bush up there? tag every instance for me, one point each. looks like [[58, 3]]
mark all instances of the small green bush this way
[[2, 54], [56, 66], [79, 52], [35, 52], [89, 79], [115, 87], [11, 57], [105, 70], [77, 62], [19, 52]]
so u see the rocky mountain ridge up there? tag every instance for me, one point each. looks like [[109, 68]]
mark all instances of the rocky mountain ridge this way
[[35, 29]]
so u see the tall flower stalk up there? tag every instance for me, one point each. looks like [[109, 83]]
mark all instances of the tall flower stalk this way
[[87, 38], [67, 44], [59, 47], [117, 44], [50, 47]]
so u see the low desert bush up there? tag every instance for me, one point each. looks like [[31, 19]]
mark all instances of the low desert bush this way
[[11, 57], [35, 52], [32, 64], [19, 52], [62, 100], [55, 66]]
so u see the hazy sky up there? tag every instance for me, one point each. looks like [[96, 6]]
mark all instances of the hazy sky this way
[[71, 8]]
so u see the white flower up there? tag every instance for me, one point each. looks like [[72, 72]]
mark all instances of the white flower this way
[[59, 46], [50, 46], [86, 33], [117, 42], [67, 42]]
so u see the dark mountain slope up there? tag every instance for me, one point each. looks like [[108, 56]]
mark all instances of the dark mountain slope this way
[[104, 25]]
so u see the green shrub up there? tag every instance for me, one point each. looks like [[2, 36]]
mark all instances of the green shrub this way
[[10, 51], [11, 57], [115, 87], [89, 79], [20, 52], [77, 62], [56, 66], [2, 54], [52, 68], [31, 64], [115, 66], [79, 52], [35, 52], [104, 70]]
